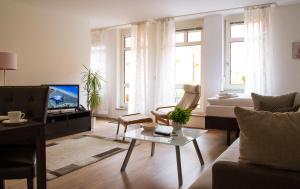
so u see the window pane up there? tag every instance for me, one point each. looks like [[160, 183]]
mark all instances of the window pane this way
[[127, 42], [194, 36], [237, 30], [128, 66], [179, 94], [188, 64], [179, 37], [126, 95], [237, 72]]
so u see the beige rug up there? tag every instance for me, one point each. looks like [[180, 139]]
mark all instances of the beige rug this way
[[72, 154]]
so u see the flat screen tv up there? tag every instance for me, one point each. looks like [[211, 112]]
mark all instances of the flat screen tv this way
[[63, 97]]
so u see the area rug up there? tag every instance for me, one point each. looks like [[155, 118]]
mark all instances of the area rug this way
[[72, 154]]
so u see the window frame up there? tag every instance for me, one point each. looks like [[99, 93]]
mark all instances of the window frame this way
[[227, 58], [187, 43], [124, 34]]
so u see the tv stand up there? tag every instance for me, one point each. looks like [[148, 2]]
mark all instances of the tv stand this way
[[66, 123]]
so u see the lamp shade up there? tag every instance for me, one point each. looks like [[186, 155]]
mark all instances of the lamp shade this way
[[8, 61]]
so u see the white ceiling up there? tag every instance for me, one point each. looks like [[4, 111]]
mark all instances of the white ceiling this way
[[105, 13]]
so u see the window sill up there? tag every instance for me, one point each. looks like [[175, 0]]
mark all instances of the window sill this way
[[122, 108]]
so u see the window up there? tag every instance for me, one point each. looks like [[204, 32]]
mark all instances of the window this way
[[234, 55], [188, 59], [126, 68]]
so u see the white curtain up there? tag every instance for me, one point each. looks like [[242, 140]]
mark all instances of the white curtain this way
[[103, 60], [165, 67], [257, 50], [139, 86], [153, 83]]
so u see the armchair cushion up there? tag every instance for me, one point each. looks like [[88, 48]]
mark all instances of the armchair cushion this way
[[160, 113], [190, 98], [192, 89]]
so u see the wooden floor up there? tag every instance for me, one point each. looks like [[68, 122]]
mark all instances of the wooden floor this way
[[143, 171]]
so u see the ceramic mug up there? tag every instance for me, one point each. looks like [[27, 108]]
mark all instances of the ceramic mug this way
[[15, 116]]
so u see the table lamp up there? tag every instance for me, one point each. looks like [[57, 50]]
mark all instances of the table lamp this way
[[8, 61]]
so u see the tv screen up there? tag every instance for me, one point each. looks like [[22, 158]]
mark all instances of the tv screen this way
[[63, 96]]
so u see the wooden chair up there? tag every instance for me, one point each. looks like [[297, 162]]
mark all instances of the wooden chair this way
[[17, 161], [189, 100]]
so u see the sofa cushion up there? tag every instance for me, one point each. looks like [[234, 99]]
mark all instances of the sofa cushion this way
[[297, 99], [270, 139], [273, 103]]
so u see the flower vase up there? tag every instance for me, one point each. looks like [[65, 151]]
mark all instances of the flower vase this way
[[177, 126]]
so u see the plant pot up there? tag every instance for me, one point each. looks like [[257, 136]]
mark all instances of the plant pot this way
[[177, 126], [93, 122]]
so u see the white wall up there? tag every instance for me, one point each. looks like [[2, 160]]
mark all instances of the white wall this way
[[285, 29], [51, 46], [212, 62]]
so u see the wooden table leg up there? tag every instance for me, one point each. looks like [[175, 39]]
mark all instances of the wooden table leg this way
[[125, 162], [198, 151], [118, 128], [152, 148], [178, 165], [41, 159]]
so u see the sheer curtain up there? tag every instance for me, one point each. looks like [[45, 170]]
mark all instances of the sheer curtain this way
[[139, 86], [257, 50], [153, 81], [165, 67], [103, 59]]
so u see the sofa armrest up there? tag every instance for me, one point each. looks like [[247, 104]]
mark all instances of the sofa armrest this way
[[233, 175]]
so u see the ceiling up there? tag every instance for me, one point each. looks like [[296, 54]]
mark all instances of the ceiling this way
[[105, 13]]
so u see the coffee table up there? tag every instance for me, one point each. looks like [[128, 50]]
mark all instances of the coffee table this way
[[184, 136]]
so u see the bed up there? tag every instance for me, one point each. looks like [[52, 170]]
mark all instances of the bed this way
[[219, 113]]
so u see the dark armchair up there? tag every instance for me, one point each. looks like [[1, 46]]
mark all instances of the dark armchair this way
[[18, 160]]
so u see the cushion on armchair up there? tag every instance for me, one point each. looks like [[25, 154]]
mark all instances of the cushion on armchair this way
[[270, 139]]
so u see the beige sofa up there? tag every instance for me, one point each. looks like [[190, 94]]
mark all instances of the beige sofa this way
[[227, 173]]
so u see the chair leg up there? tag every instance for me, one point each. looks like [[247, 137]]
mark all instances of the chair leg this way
[[118, 127], [29, 183], [2, 184]]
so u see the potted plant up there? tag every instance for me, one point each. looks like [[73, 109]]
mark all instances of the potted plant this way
[[92, 85], [179, 117]]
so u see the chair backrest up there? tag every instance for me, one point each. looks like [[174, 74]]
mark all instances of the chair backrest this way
[[191, 97], [32, 100]]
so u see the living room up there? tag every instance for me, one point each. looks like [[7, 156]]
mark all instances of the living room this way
[[205, 57]]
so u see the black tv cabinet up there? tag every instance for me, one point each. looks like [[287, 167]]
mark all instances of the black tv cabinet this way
[[67, 123]]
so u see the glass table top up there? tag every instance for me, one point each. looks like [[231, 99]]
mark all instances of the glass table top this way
[[181, 138]]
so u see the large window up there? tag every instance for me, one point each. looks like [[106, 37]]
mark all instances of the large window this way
[[188, 59], [126, 68], [234, 55]]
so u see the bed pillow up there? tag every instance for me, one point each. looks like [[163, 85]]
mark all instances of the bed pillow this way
[[270, 139], [283, 103]]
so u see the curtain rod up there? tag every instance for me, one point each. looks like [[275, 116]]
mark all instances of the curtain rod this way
[[229, 9], [193, 14]]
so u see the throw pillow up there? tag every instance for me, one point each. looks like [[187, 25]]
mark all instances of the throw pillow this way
[[273, 103], [270, 139], [297, 99]]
